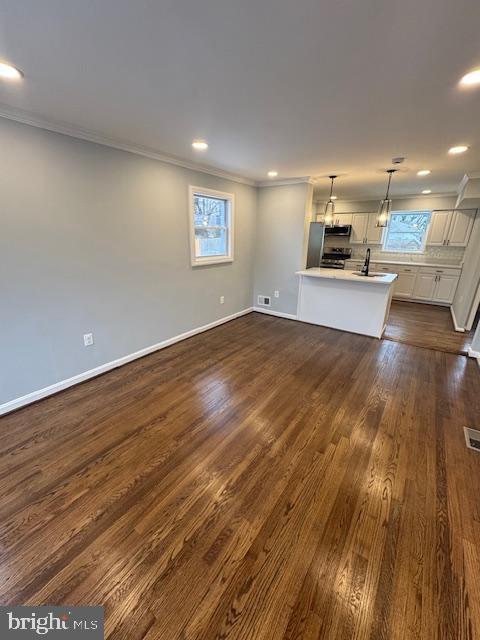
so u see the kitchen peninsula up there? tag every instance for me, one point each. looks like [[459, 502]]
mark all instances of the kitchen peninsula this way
[[345, 300]]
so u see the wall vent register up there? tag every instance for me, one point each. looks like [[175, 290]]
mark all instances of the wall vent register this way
[[263, 301], [472, 438]]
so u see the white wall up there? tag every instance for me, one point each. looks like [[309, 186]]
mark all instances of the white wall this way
[[470, 278], [96, 239], [283, 212], [476, 340]]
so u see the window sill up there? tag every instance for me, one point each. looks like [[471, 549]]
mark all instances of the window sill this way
[[200, 262], [403, 253]]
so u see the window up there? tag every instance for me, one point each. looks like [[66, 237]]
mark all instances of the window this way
[[407, 231], [211, 226]]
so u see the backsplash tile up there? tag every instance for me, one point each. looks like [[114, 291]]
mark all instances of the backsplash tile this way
[[449, 255]]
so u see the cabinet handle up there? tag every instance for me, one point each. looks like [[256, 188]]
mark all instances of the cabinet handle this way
[[407, 269], [439, 270]]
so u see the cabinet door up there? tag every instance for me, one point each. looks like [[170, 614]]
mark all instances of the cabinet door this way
[[343, 218], [359, 228], [424, 285], [404, 285], [445, 288], [438, 229], [374, 233], [460, 228]]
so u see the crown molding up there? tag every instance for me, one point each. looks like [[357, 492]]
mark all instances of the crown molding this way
[[286, 181], [25, 117], [450, 194]]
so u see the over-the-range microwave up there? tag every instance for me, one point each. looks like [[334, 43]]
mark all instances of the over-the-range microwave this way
[[339, 230]]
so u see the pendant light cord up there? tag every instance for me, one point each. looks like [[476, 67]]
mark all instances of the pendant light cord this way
[[390, 172]]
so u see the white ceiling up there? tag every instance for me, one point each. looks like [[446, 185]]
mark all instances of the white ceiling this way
[[307, 87]]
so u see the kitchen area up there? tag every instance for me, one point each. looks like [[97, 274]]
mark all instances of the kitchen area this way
[[420, 255]]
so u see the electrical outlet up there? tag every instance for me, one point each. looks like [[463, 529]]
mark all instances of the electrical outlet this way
[[276, 294], [87, 339], [222, 299]]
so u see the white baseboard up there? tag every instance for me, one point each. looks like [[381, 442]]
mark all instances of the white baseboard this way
[[16, 403], [473, 354], [279, 314], [455, 323]]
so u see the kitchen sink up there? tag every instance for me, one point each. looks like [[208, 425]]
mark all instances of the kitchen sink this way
[[370, 275]]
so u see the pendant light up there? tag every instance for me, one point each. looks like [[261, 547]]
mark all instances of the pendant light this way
[[385, 204], [330, 206]]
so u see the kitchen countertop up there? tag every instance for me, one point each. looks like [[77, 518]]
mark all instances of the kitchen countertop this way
[[347, 276], [408, 263]]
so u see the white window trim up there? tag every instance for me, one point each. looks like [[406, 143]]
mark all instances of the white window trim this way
[[230, 198], [424, 244]]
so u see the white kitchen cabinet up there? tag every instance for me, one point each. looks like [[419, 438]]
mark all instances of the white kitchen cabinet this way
[[405, 285], [342, 218], [436, 285], [359, 228], [424, 285], [374, 233], [438, 229], [365, 230], [460, 228], [450, 228], [445, 288]]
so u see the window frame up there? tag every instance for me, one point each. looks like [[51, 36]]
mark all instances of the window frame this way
[[197, 261], [424, 242]]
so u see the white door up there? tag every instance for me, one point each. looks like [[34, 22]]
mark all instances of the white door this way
[[445, 288], [404, 285], [425, 286], [460, 228], [438, 229], [359, 228], [374, 233]]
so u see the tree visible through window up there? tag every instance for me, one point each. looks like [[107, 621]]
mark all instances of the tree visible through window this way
[[407, 231], [211, 226]]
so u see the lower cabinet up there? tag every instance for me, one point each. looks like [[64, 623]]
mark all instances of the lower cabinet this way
[[427, 284], [445, 288], [405, 285], [436, 285], [424, 286]]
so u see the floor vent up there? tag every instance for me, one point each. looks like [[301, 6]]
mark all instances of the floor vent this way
[[263, 301], [472, 438]]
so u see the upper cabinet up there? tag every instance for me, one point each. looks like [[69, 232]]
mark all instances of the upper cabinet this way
[[460, 228], [338, 218], [439, 225], [365, 230], [450, 228]]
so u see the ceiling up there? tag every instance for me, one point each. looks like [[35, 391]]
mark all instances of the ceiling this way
[[308, 88]]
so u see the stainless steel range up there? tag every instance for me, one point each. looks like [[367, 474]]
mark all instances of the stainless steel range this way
[[334, 257]]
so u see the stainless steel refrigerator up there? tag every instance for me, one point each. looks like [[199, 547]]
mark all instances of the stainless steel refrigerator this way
[[316, 236]]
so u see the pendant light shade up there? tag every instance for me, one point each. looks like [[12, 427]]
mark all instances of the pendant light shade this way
[[330, 206], [386, 204]]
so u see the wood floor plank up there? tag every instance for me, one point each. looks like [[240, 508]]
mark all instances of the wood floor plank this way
[[266, 479]]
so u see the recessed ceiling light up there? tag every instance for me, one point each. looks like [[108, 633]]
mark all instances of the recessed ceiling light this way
[[423, 172], [9, 73], [272, 174], [426, 191], [471, 78], [461, 148], [200, 145]]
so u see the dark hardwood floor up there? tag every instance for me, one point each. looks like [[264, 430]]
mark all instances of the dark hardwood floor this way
[[426, 325], [267, 479]]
